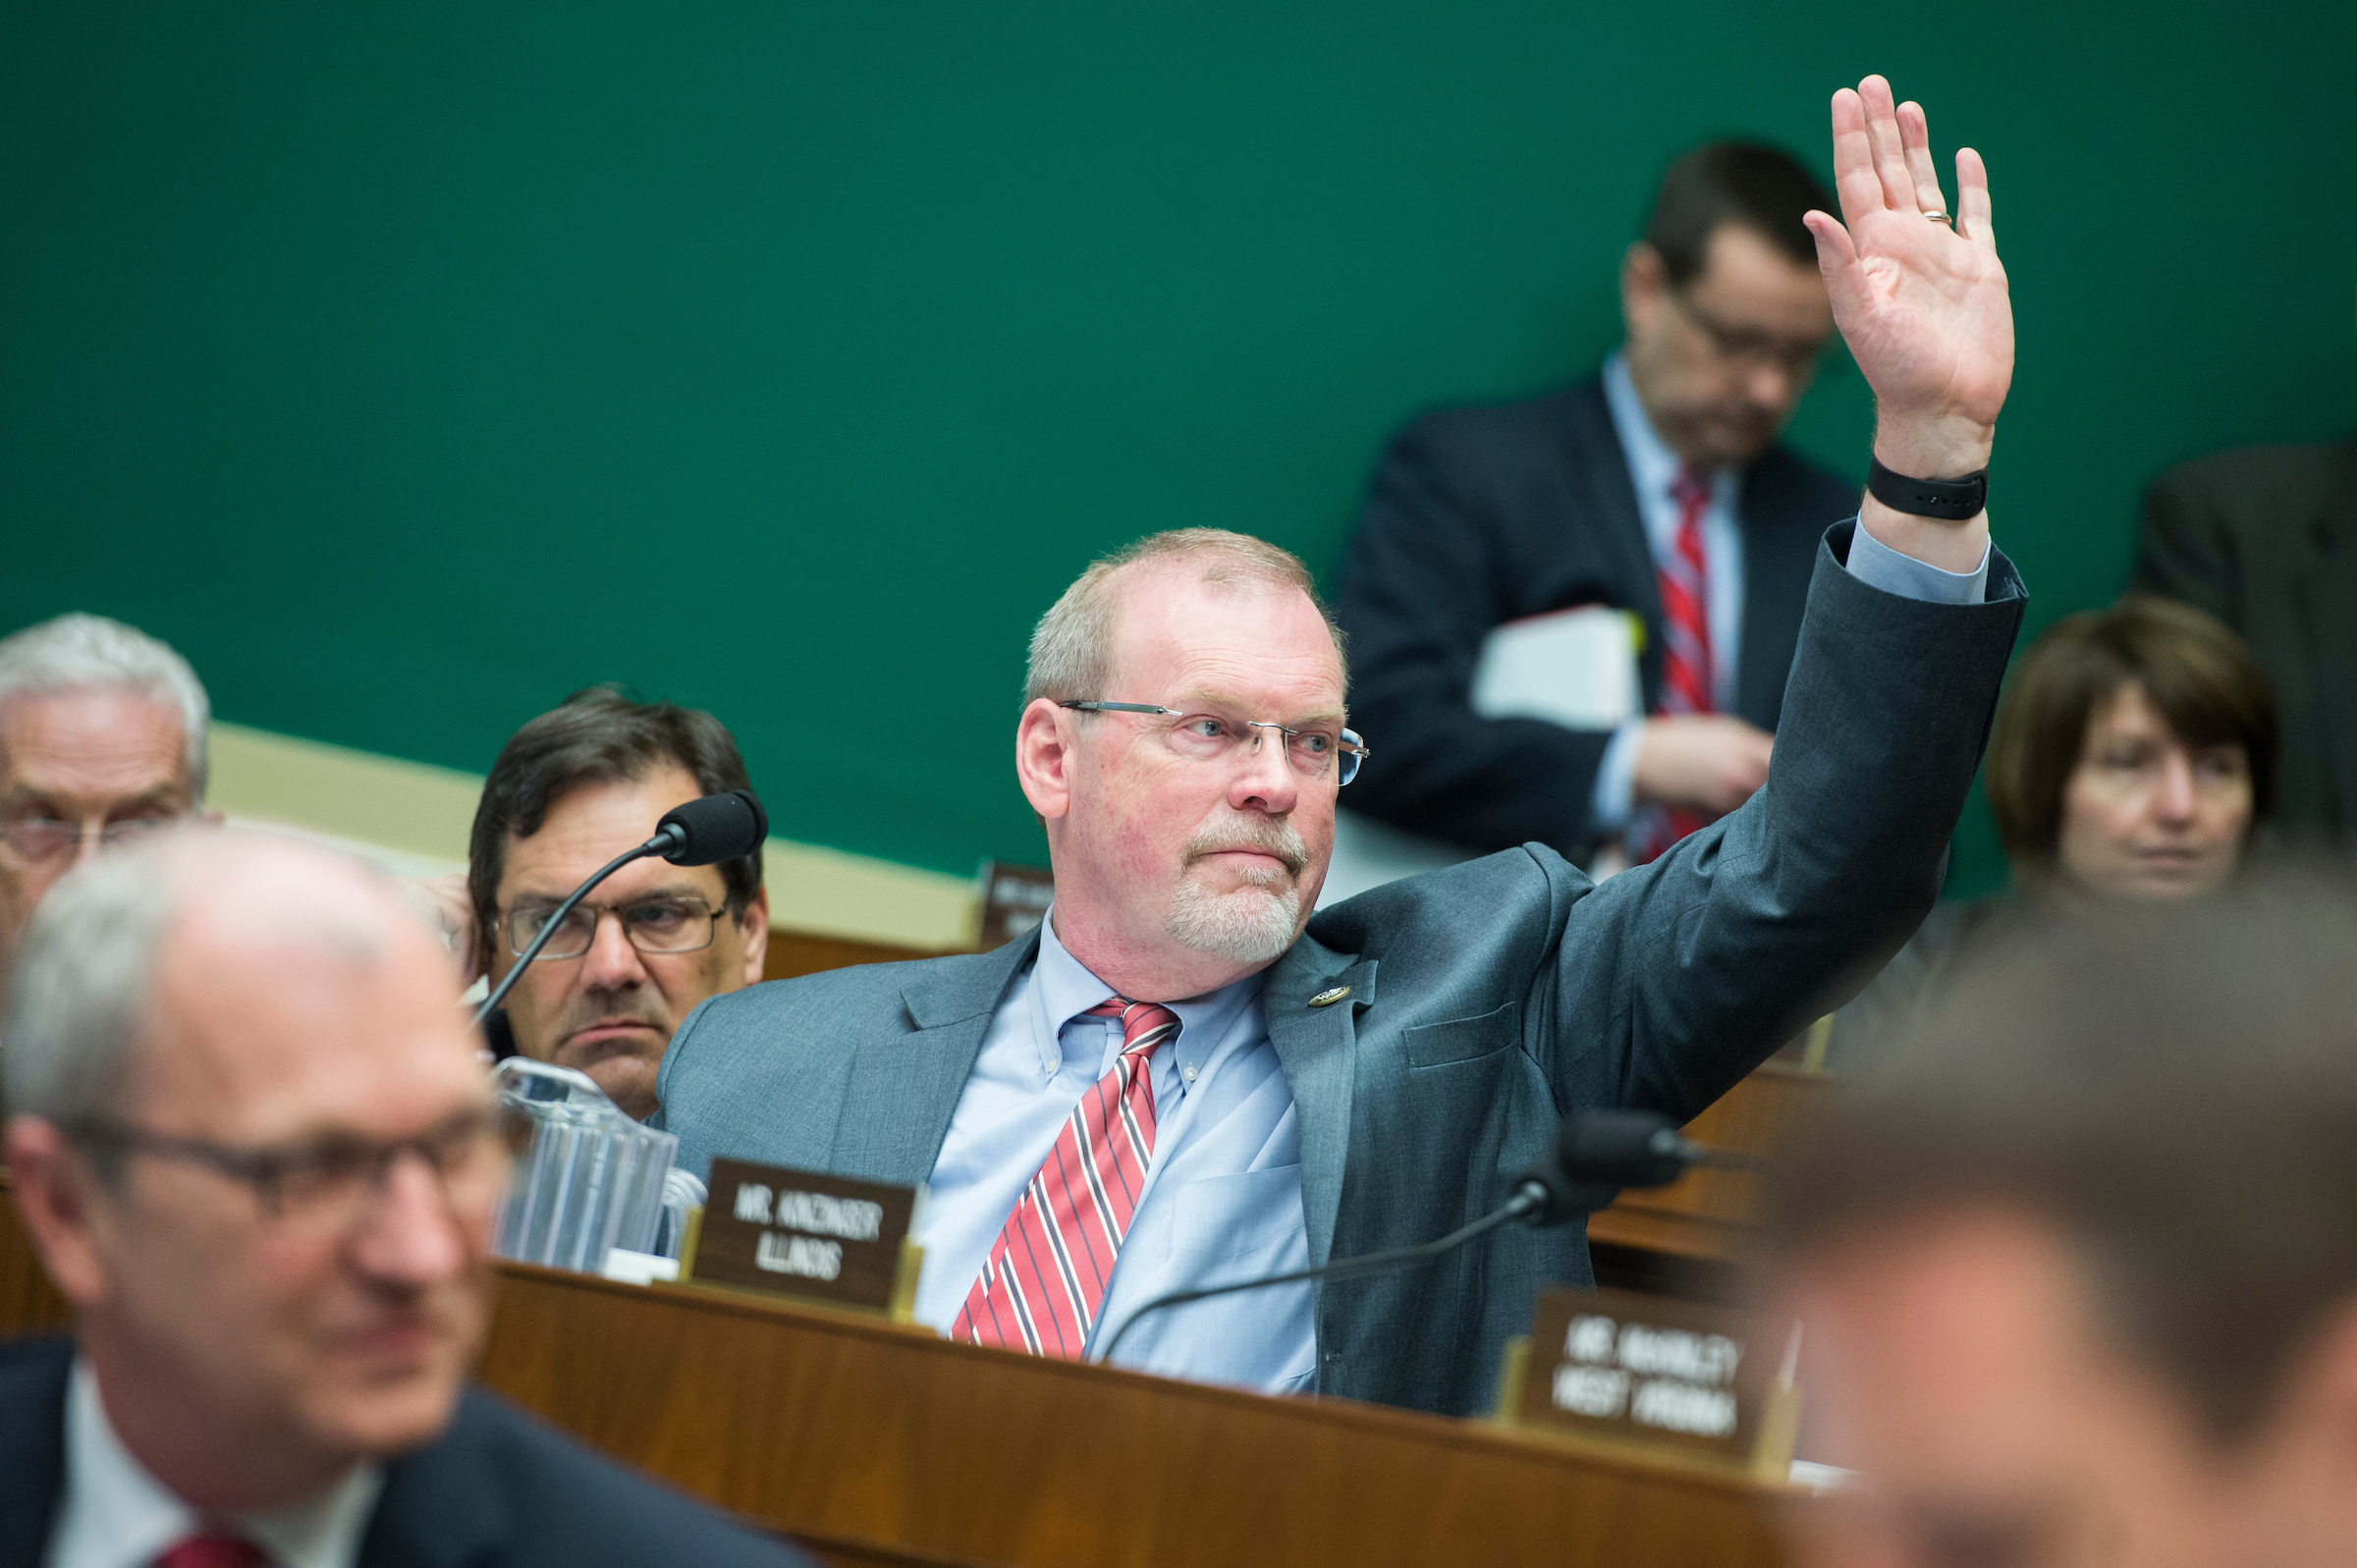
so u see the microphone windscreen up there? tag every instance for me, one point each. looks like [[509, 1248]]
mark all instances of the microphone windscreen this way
[[1621, 1148], [725, 826]]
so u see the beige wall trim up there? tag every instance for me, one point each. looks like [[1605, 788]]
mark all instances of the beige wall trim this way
[[414, 818]]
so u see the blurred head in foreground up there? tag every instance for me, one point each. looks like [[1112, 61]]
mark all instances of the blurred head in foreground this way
[[252, 1141], [2079, 1272], [2133, 753]]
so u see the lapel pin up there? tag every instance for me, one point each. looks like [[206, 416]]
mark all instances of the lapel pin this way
[[1327, 998]]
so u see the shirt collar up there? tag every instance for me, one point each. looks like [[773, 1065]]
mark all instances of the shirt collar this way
[[1651, 462], [118, 1515], [1652, 465], [1065, 989]]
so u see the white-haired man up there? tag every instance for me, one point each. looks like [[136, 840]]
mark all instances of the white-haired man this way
[[255, 1151], [102, 738], [1181, 1074]]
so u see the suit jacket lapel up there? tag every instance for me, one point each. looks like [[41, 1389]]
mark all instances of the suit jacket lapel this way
[[904, 1088], [1619, 524], [442, 1506], [1318, 1048]]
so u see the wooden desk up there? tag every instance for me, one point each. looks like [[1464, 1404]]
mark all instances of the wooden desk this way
[[878, 1445]]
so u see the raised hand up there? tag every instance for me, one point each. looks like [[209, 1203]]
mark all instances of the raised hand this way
[[1924, 309]]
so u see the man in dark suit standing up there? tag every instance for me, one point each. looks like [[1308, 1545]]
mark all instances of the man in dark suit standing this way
[[2264, 538], [1181, 1079], [1657, 487], [254, 1145]]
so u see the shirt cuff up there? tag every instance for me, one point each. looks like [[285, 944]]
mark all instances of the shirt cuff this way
[[1877, 565], [1616, 777]]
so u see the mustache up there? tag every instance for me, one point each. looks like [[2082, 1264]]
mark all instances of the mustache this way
[[1269, 837], [594, 1008]]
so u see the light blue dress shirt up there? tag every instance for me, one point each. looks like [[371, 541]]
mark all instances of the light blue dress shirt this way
[[1222, 1199], [1653, 468]]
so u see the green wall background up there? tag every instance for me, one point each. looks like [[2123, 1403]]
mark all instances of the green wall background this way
[[408, 366]]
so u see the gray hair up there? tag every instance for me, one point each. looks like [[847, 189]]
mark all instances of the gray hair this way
[[79, 652], [1071, 646], [78, 997]]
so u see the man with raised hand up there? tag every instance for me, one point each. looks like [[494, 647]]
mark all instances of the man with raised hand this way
[[1181, 1074]]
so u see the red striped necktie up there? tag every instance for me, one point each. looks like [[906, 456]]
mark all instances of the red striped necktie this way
[[1047, 1273], [1687, 671]]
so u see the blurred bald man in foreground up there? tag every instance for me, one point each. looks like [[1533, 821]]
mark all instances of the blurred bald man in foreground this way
[[255, 1151], [2081, 1276]]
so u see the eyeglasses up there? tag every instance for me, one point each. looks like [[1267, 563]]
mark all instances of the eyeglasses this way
[[1215, 738], [38, 839], [329, 1187], [651, 925], [1746, 347]]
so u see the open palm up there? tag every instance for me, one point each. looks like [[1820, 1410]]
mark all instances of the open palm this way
[[1925, 311]]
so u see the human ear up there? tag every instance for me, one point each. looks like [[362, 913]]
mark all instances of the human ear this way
[[1043, 759], [1643, 280], [756, 935], [54, 1190]]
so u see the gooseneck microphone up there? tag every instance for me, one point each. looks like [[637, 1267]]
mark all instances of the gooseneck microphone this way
[[702, 832], [1596, 1153], [1636, 1149]]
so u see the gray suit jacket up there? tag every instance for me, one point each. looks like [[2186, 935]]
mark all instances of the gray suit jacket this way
[[1486, 1000]]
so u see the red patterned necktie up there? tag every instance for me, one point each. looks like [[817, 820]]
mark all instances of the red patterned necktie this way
[[1046, 1276], [212, 1551], [1687, 667]]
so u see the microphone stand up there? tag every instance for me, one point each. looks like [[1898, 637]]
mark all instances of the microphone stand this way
[[1531, 1199], [1597, 1154]]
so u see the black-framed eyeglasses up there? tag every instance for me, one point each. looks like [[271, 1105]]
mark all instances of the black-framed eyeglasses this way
[[327, 1185], [652, 925], [1744, 346], [36, 841], [1316, 752]]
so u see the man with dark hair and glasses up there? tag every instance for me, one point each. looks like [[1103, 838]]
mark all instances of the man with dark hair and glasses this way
[[1657, 487], [253, 1146], [571, 790], [102, 738], [1181, 1079]]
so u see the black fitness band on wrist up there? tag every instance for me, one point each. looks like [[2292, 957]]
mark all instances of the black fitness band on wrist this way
[[1950, 499]]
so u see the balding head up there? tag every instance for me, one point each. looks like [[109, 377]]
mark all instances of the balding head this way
[[215, 912], [1188, 839], [250, 1137]]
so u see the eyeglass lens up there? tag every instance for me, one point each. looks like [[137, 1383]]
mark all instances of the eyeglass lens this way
[[327, 1186], [654, 925], [1312, 752], [40, 838]]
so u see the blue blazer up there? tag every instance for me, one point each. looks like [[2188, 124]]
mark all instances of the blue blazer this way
[[1483, 514], [1487, 1001], [497, 1490]]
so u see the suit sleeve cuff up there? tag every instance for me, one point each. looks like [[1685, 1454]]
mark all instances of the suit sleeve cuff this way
[[1877, 565], [1616, 780]]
